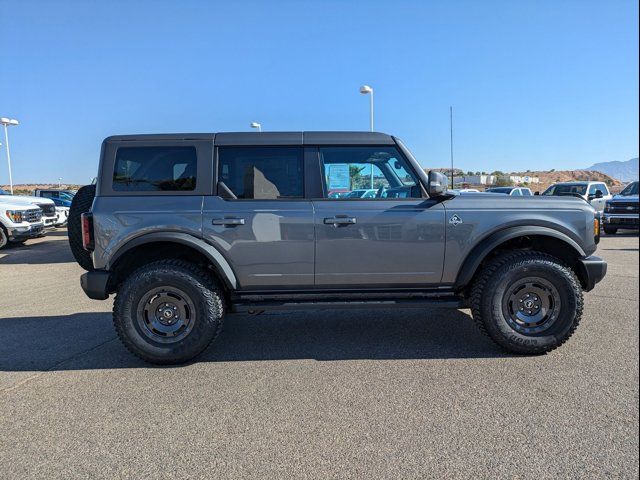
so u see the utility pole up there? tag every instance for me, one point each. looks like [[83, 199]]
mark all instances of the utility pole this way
[[451, 138]]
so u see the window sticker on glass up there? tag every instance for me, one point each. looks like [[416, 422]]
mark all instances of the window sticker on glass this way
[[338, 177]]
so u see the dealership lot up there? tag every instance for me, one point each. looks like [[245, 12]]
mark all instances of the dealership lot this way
[[401, 393]]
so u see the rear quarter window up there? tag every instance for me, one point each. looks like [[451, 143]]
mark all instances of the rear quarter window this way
[[161, 169]]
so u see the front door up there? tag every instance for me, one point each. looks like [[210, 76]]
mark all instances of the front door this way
[[259, 219], [373, 229]]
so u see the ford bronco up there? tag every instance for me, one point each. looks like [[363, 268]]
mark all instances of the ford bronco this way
[[185, 228]]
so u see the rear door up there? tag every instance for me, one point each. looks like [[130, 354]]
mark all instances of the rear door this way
[[258, 217], [395, 239]]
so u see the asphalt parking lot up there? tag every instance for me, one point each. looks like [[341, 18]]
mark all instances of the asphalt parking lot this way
[[391, 394]]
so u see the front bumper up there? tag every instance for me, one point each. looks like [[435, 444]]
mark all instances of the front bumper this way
[[49, 222], [592, 270], [95, 284], [17, 234], [622, 220]]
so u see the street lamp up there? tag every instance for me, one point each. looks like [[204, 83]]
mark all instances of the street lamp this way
[[8, 122], [256, 125], [366, 89]]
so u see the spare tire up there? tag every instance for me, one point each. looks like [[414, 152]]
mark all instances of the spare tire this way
[[80, 204]]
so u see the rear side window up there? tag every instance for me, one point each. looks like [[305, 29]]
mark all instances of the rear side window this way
[[163, 169], [262, 173]]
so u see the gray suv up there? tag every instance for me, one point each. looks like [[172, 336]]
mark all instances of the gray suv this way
[[187, 228]]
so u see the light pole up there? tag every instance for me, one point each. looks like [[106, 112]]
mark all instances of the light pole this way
[[256, 125], [451, 140], [366, 89], [59, 183], [8, 122]]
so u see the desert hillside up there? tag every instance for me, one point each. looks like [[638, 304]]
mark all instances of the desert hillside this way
[[548, 178]]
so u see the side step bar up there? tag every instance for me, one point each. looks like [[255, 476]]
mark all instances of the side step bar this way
[[274, 305]]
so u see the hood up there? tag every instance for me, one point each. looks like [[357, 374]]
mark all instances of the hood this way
[[624, 198], [500, 201], [25, 200], [11, 205]]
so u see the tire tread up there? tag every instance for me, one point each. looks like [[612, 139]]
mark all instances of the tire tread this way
[[521, 258], [206, 286]]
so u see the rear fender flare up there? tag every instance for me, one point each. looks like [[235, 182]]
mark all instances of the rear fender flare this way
[[213, 255]]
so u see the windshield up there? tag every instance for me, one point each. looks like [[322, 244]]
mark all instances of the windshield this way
[[66, 196], [500, 190], [560, 190], [3, 192], [631, 189]]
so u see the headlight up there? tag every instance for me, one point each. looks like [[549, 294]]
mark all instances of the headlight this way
[[607, 207], [15, 216]]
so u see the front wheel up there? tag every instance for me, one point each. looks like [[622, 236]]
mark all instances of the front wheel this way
[[168, 312], [610, 230], [527, 302]]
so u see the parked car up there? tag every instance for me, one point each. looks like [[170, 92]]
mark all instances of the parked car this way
[[621, 211], [362, 193], [62, 198], [181, 243], [464, 190], [19, 222], [511, 191], [48, 207], [596, 193]]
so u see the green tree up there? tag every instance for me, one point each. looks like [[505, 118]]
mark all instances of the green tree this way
[[504, 182], [354, 176]]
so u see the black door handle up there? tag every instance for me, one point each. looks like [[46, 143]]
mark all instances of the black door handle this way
[[228, 222], [340, 220]]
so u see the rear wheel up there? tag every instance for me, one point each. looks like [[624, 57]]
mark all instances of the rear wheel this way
[[527, 302], [80, 204], [168, 312], [610, 230]]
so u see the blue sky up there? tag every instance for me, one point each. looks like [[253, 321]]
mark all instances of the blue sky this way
[[534, 85]]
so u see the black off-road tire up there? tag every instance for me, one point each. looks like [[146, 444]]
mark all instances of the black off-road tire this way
[[198, 286], [80, 204], [491, 291], [4, 238], [610, 230]]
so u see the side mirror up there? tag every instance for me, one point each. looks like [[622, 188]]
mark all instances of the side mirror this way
[[599, 194], [437, 184]]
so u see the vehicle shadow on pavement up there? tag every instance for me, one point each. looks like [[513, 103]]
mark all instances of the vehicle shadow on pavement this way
[[88, 341], [43, 252]]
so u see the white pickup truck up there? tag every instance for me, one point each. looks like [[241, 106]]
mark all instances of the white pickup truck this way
[[19, 222], [48, 207]]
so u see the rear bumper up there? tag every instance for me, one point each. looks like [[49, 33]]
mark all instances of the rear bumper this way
[[592, 270], [95, 284]]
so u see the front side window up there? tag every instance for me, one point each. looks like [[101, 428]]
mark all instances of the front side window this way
[[155, 169], [262, 173], [367, 173], [566, 190]]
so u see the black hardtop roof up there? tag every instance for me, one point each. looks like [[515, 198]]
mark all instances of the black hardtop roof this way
[[267, 138]]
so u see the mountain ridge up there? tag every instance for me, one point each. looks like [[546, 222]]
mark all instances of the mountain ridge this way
[[625, 171]]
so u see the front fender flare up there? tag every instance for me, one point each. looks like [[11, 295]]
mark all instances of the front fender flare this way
[[214, 256], [480, 251]]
